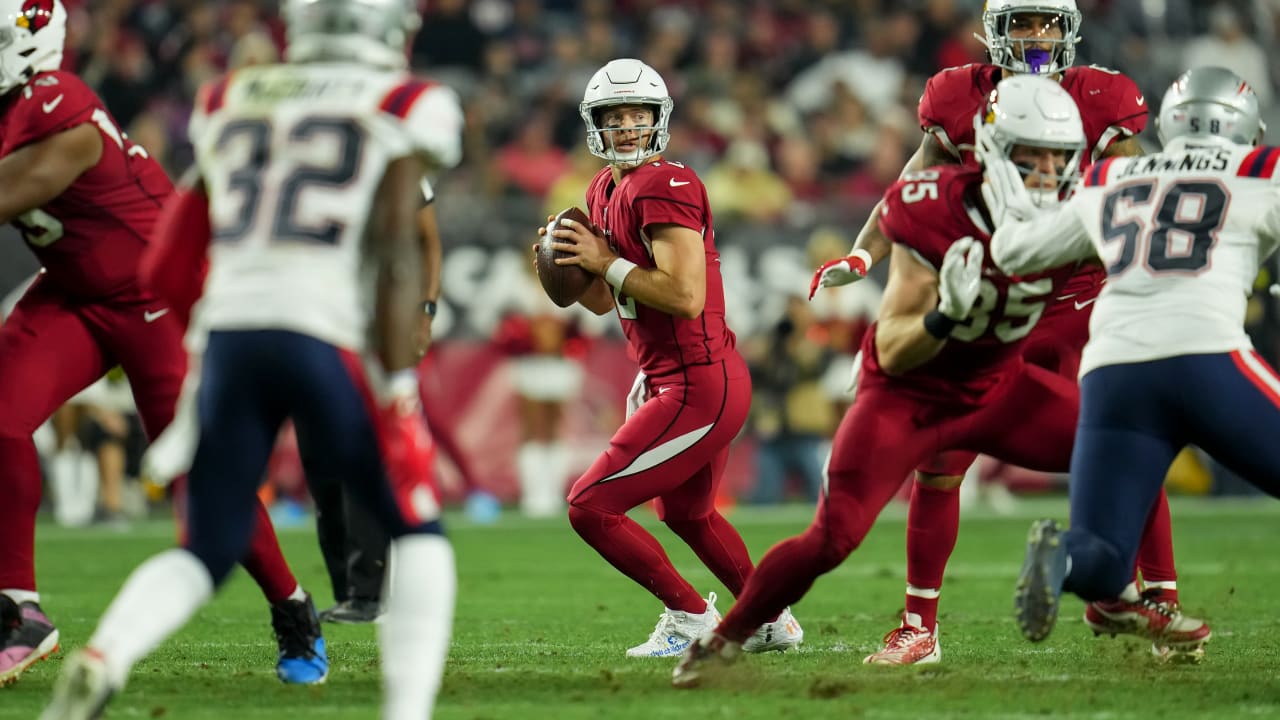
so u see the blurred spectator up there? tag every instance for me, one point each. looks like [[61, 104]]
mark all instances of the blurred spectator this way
[[531, 163], [449, 37], [743, 188], [1230, 47], [791, 414]]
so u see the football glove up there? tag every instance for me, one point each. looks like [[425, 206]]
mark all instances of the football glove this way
[[407, 450], [960, 278], [835, 273]]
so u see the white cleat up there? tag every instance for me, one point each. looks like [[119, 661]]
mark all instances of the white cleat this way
[[82, 689], [676, 630], [781, 635]]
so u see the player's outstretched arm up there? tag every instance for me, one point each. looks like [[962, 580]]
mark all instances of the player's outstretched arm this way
[[393, 244], [871, 245], [917, 326], [1053, 239], [902, 342], [36, 174]]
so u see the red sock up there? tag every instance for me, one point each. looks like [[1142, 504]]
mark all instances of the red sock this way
[[719, 546], [636, 554], [1155, 552], [933, 523], [781, 578], [265, 561], [21, 483]]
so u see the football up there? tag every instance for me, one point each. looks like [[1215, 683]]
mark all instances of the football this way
[[564, 284]]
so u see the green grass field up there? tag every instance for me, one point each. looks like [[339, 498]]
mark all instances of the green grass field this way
[[542, 624]]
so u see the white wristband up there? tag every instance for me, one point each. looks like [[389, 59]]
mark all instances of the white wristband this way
[[618, 271], [864, 255]]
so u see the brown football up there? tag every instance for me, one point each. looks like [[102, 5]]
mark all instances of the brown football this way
[[564, 284]]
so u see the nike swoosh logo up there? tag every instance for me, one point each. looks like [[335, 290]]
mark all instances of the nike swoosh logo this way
[[1082, 305], [1142, 99], [678, 184], [49, 106], [153, 316]]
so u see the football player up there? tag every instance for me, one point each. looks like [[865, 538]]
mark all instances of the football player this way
[[1181, 234], [943, 366], [307, 194], [652, 248], [85, 199], [1036, 37]]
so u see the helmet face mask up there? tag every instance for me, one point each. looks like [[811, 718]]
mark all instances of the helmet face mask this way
[[1003, 19], [626, 82], [1210, 105], [1033, 119], [373, 32], [32, 34]]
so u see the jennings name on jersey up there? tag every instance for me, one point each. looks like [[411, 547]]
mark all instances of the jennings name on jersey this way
[[1181, 234], [292, 156]]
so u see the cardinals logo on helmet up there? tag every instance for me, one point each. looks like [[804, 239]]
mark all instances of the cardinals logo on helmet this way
[[36, 15]]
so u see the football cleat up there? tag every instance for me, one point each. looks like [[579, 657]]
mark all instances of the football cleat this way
[[701, 657], [781, 635], [906, 645], [26, 637], [302, 659], [1035, 598], [1172, 633], [676, 630], [352, 612], [82, 690]]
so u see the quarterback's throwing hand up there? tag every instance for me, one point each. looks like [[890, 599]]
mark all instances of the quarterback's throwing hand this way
[[835, 273], [960, 278]]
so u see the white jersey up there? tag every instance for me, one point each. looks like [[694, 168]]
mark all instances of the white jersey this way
[[1181, 234], [291, 157]]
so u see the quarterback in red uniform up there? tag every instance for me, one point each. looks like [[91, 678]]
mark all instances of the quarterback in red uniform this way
[[85, 199], [1023, 37], [653, 248]]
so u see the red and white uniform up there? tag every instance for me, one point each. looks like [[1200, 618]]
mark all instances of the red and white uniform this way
[[1112, 109], [675, 446], [85, 313], [977, 394]]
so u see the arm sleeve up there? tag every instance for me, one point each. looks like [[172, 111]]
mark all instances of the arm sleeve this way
[[1051, 240]]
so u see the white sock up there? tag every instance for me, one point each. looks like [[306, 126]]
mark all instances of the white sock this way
[[298, 594], [157, 599], [414, 633], [540, 493], [21, 596]]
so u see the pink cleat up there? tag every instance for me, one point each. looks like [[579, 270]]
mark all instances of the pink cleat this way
[[906, 645], [26, 637]]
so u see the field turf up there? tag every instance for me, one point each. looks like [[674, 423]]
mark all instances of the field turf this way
[[542, 624]]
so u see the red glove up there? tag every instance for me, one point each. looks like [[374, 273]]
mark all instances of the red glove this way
[[407, 450], [834, 273]]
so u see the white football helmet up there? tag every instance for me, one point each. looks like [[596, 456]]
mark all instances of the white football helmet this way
[[1211, 105], [374, 32], [626, 81], [1032, 111], [1014, 55], [32, 33]]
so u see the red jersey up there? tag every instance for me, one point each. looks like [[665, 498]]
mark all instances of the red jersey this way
[[91, 237], [1111, 107], [659, 193], [926, 212], [1110, 104]]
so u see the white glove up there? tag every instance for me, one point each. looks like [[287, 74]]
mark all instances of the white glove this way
[[636, 396], [1003, 189], [835, 273], [960, 278]]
